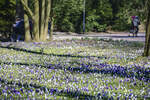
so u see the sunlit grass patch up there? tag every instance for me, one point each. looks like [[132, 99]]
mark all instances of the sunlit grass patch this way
[[74, 69]]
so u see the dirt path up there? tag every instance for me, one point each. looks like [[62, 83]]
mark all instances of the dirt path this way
[[114, 36]]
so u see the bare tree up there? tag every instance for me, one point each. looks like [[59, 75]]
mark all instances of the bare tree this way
[[40, 17]]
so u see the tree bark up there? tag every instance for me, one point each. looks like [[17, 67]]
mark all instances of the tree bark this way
[[51, 29], [36, 21], [27, 26], [47, 14], [19, 9], [27, 9], [147, 37], [42, 18]]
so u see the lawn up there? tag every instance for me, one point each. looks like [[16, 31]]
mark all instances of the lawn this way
[[88, 69]]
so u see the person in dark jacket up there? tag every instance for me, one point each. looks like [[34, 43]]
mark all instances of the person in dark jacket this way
[[135, 25], [15, 29], [19, 30]]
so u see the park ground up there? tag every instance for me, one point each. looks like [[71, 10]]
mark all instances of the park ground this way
[[109, 35], [76, 67]]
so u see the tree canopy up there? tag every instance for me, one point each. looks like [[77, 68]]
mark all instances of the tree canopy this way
[[7, 14], [100, 14]]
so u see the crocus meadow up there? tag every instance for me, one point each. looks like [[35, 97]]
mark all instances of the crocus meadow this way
[[88, 69]]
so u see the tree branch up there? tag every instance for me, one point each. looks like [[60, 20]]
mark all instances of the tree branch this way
[[27, 9]]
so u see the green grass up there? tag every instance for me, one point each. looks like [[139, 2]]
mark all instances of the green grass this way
[[72, 69]]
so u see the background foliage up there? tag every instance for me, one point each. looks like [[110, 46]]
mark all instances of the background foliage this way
[[101, 15], [7, 14]]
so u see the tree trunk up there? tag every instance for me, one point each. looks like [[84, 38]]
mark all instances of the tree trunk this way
[[47, 14], [51, 29], [27, 26], [36, 21], [147, 37], [19, 9], [42, 18]]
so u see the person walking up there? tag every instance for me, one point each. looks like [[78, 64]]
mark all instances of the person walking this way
[[18, 30], [135, 25], [15, 30]]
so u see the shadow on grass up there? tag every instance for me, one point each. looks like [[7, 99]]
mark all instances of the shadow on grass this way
[[138, 72], [28, 88], [52, 54]]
